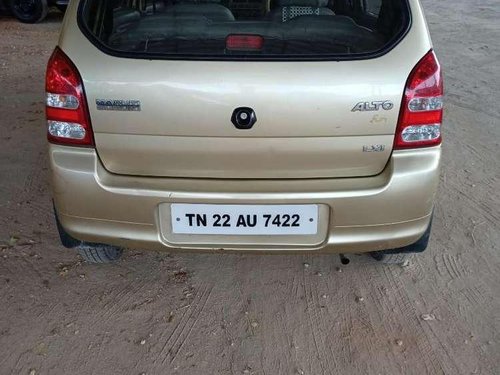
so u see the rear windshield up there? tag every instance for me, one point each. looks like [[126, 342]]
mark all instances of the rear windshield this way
[[244, 29]]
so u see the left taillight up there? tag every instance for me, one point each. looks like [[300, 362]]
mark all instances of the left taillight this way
[[68, 120]]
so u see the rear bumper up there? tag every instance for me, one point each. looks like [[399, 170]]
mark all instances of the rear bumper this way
[[390, 210]]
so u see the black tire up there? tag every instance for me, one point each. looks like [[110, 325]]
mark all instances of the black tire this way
[[91, 252], [97, 253], [29, 11], [402, 258]]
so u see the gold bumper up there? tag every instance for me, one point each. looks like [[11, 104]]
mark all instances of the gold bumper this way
[[390, 210]]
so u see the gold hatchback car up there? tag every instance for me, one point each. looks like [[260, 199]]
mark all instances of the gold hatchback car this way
[[253, 125]]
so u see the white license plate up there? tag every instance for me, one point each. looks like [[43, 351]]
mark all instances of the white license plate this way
[[247, 220]]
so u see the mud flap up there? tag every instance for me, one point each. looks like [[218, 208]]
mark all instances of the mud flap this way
[[66, 240]]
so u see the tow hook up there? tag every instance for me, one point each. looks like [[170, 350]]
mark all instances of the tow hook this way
[[344, 260]]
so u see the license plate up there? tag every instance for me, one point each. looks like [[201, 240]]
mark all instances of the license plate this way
[[247, 220]]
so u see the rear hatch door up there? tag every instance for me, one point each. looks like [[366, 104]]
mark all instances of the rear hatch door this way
[[314, 119], [325, 86]]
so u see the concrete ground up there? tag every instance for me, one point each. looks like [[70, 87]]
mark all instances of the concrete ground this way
[[157, 313]]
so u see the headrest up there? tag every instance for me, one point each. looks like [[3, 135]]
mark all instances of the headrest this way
[[303, 3]]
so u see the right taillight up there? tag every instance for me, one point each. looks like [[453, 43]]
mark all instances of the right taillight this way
[[68, 120], [422, 106]]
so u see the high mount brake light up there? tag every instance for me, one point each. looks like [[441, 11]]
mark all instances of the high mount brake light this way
[[244, 42], [68, 120], [421, 112]]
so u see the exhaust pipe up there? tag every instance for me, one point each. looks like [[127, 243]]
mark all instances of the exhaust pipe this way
[[344, 260]]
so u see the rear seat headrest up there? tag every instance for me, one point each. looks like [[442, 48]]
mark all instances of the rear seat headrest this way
[[303, 3]]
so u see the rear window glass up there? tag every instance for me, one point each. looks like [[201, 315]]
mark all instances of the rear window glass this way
[[246, 29]]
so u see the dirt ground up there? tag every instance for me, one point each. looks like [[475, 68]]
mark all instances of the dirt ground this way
[[159, 313]]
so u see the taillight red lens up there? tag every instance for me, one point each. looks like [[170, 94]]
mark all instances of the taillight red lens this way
[[68, 120], [422, 106], [244, 42]]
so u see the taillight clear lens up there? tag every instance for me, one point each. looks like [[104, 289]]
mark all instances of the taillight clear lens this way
[[67, 130], [68, 120], [426, 104], [419, 133], [422, 107], [62, 101]]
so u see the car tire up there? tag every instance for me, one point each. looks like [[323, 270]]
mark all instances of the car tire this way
[[401, 258], [90, 252], [98, 253], [29, 13]]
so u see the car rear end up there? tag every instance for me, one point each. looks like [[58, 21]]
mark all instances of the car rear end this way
[[151, 143]]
